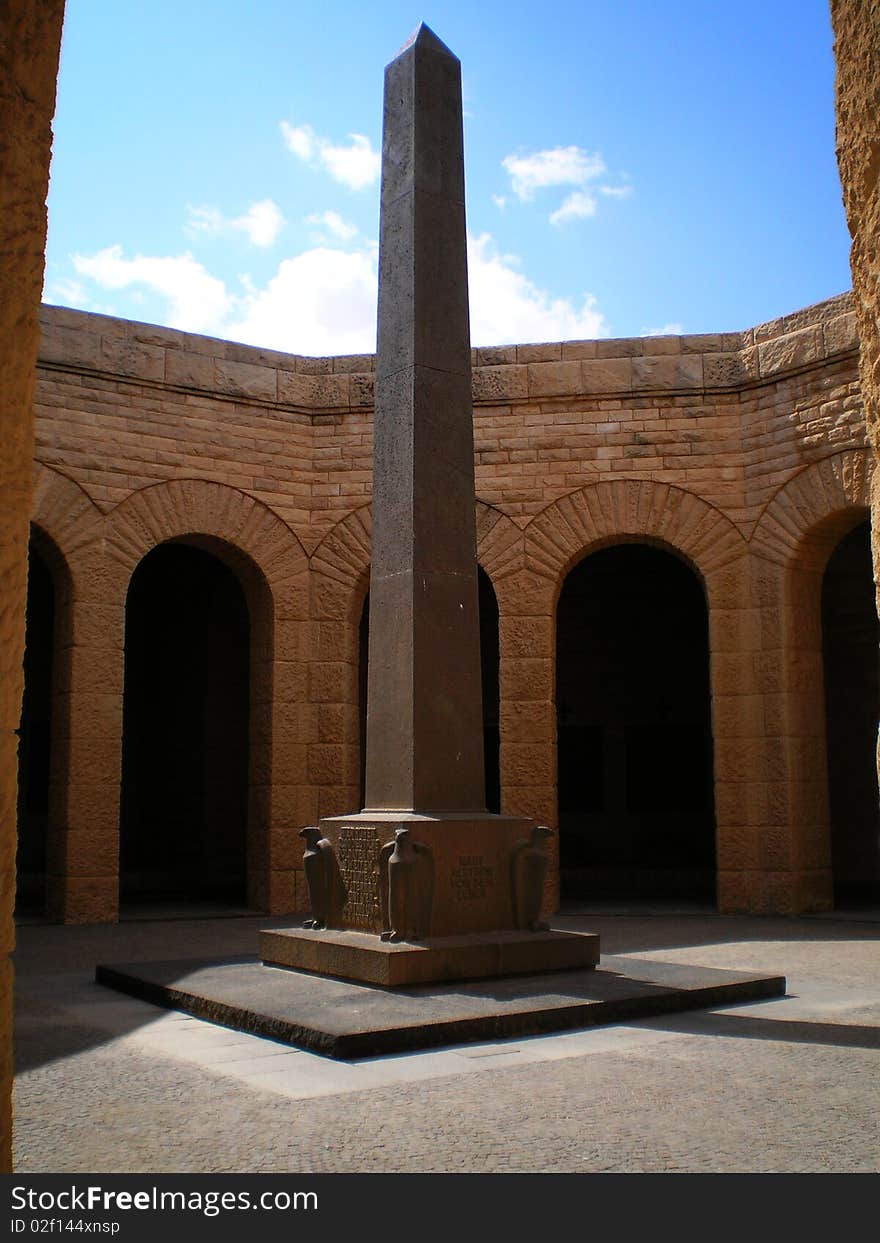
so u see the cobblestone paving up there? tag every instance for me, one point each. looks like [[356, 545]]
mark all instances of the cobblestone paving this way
[[107, 1083]]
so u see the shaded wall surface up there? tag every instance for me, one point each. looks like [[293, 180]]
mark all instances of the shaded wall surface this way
[[851, 642], [30, 36], [743, 454], [857, 51]]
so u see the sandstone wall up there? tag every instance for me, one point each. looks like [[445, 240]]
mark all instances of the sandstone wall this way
[[30, 34], [730, 416], [857, 50], [743, 453]]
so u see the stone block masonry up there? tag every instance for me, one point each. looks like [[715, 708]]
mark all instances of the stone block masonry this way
[[743, 453]]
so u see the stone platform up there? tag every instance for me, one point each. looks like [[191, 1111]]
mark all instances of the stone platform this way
[[363, 957], [345, 1020]]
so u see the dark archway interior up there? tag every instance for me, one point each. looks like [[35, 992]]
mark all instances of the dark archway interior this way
[[850, 635], [489, 662], [489, 659], [185, 730], [636, 796], [34, 739]]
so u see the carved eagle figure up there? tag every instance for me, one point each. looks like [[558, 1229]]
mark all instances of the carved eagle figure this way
[[528, 868], [327, 891], [406, 888]]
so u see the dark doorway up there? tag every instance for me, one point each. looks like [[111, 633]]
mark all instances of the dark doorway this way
[[489, 659], [636, 796], [34, 745], [185, 731], [850, 637]]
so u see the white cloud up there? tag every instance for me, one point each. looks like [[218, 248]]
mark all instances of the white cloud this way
[[355, 165], [507, 307], [500, 201], [197, 301], [205, 220], [68, 293], [301, 140], [320, 302], [323, 301], [334, 224], [261, 223], [576, 207], [668, 330], [556, 166], [616, 192]]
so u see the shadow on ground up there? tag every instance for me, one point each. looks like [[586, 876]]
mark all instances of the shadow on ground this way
[[61, 1012]]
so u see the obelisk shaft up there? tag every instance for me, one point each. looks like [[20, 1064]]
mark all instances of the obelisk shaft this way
[[424, 723]]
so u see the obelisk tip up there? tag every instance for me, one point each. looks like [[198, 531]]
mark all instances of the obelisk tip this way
[[425, 39]]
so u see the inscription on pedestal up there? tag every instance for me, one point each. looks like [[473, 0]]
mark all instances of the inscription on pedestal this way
[[472, 879], [357, 849]]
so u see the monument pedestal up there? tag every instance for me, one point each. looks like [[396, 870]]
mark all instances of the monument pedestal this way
[[361, 956], [470, 856], [484, 876]]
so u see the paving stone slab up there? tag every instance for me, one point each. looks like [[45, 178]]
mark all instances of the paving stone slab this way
[[347, 1020]]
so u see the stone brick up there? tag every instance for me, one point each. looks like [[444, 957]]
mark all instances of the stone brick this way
[[124, 356], [245, 379], [734, 892], [578, 349], [87, 899], [77, 347], [796, 349], [528, 764], [282, 897], [841, 333], [538, 353], [526, 680], [498, 384], [525, 637], [606, 375], [619, 347], [723, 369], [667, 371], [554, 379], [189, 370]]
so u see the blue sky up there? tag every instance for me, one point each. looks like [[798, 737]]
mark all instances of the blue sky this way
[[632, 166]]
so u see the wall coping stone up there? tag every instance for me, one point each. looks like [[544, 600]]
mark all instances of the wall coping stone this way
[[694, 363]]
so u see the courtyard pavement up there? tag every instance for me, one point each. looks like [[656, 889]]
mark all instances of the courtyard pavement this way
[[106, 1083]]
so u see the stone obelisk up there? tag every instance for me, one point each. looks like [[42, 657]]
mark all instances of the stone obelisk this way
[[424, 724], [423, 883]]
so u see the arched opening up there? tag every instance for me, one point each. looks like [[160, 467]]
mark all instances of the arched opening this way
[[636, 793], [850, 637], [489, 660], [184, 801], [34, 743]]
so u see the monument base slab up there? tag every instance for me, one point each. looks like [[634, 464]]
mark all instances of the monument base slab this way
[[351, 955], [346, 1020]]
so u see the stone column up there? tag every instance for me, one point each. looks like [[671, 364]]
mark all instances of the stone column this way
[[424, 861], [424, 724]]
